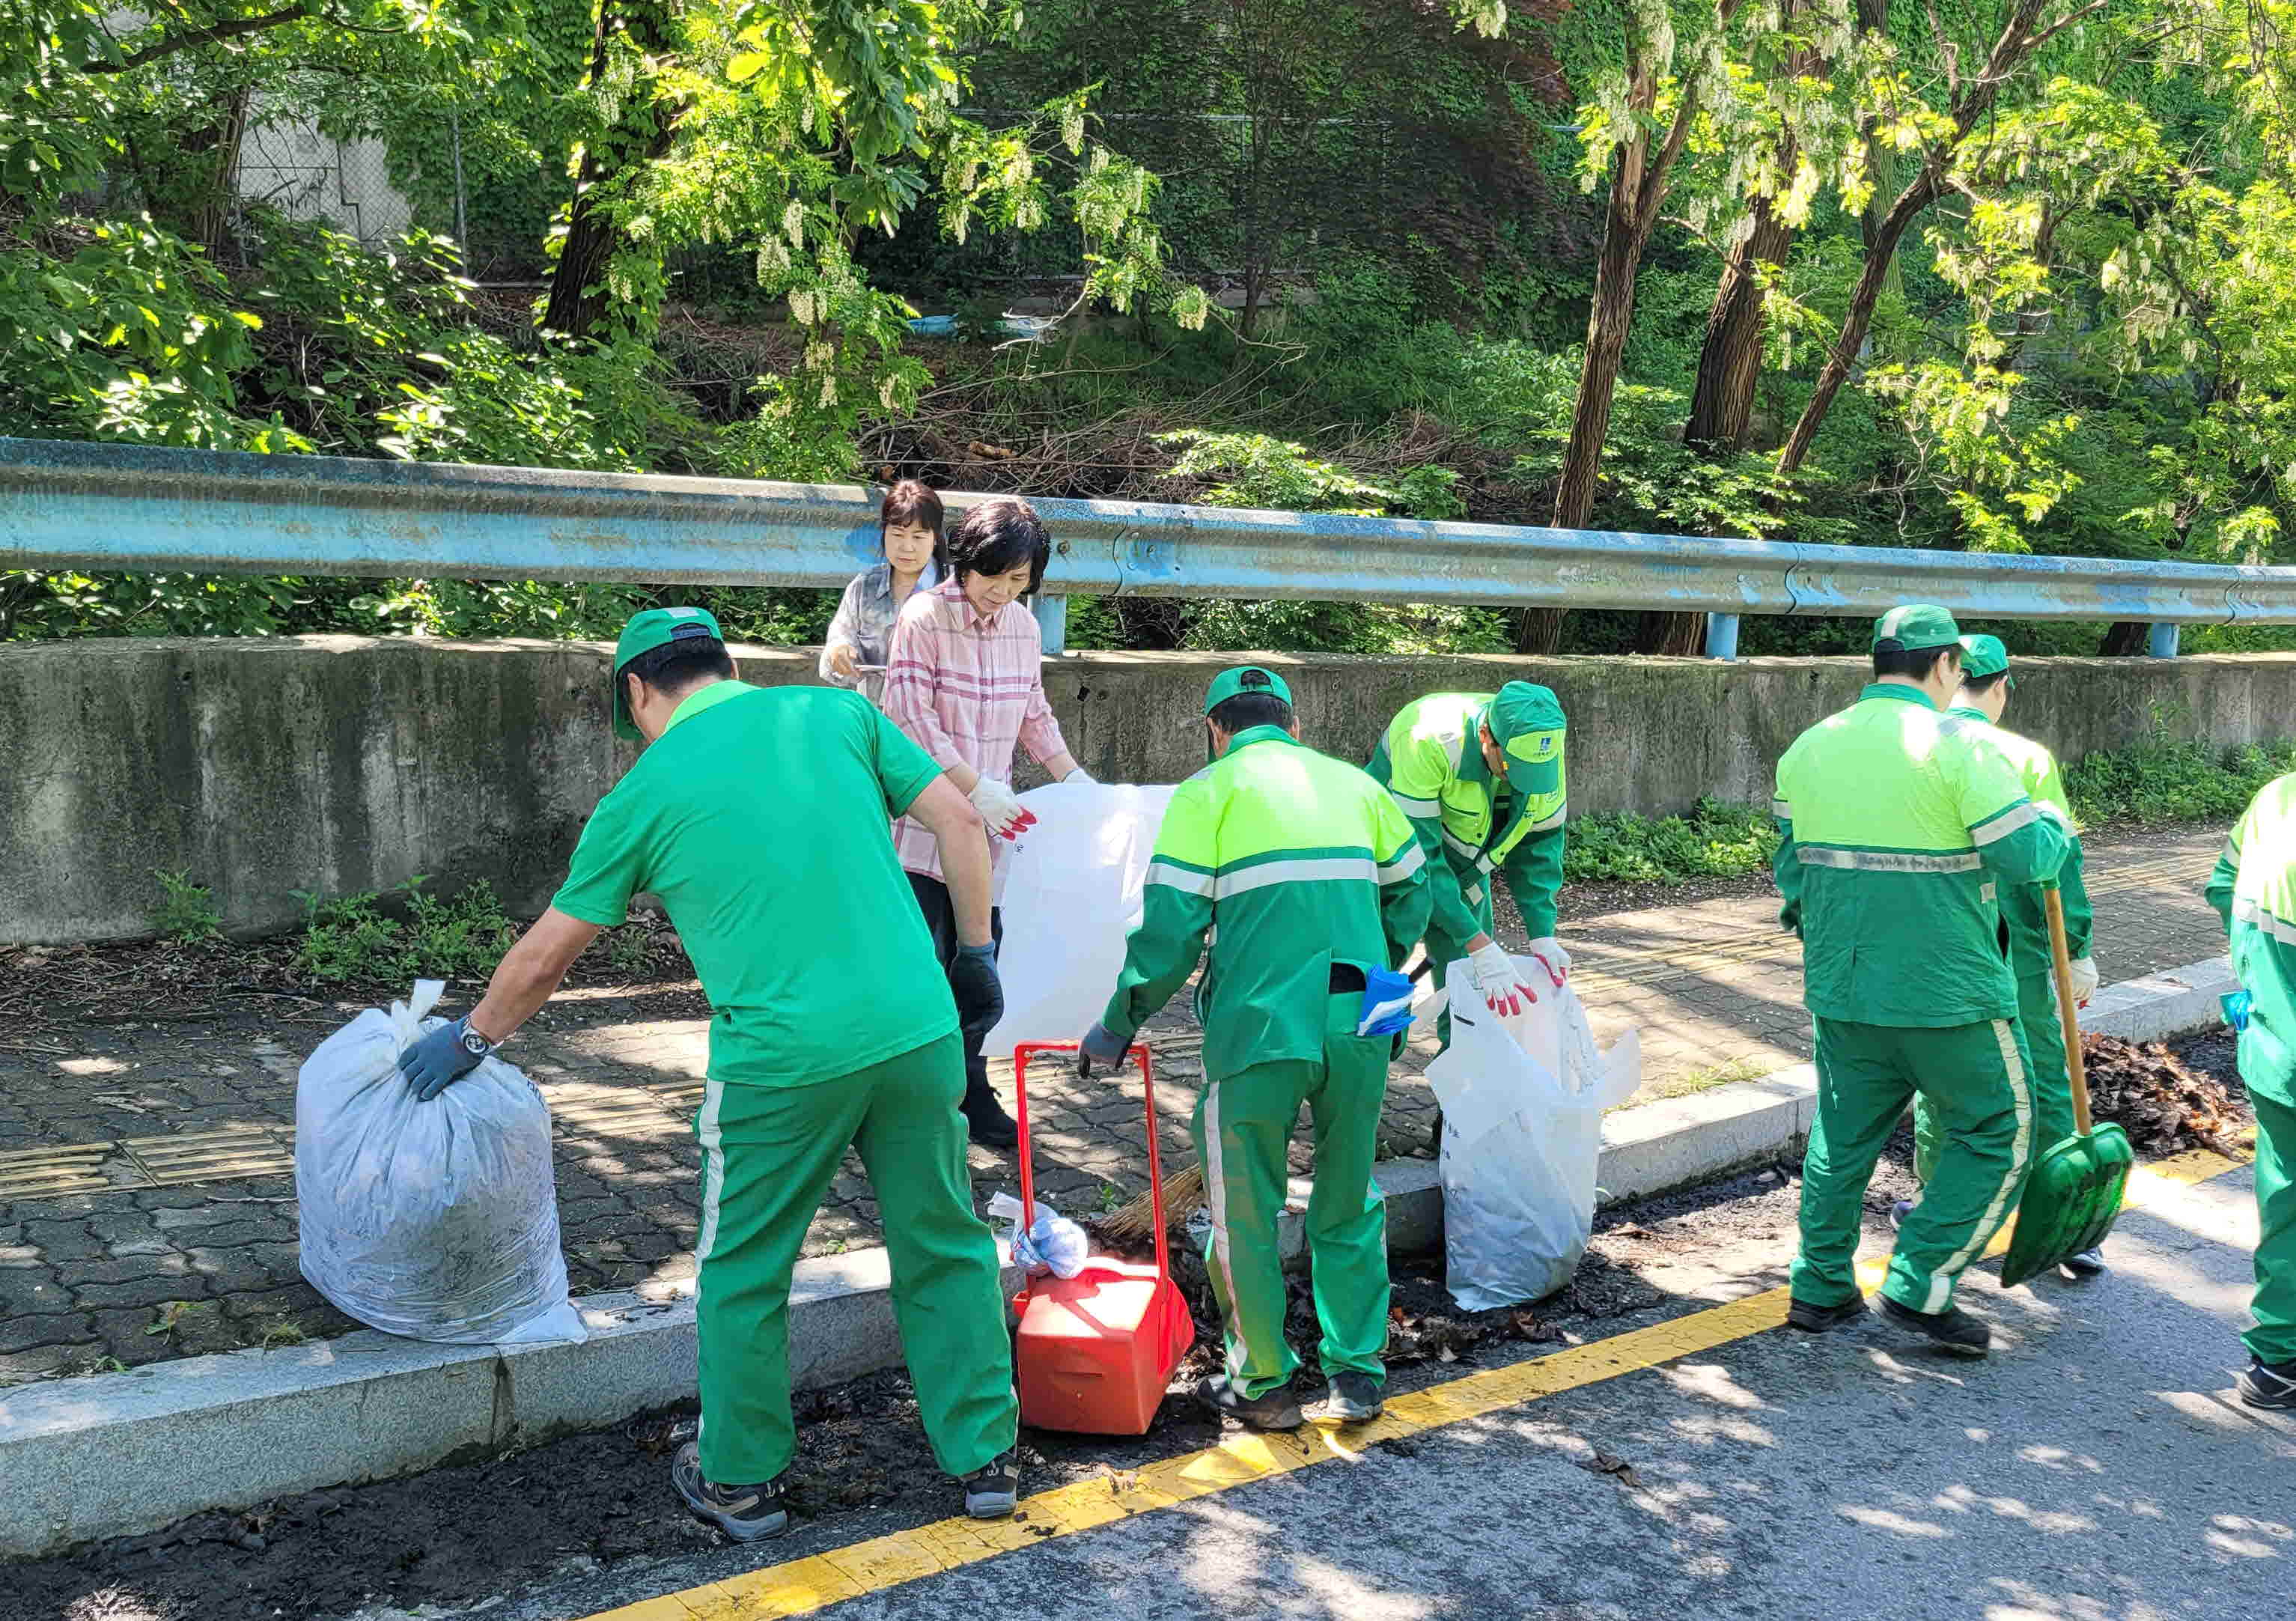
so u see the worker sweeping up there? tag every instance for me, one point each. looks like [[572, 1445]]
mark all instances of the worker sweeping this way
[[1899, 830], [1480, 774], [2253, 889], [1986, 685], [1309, 883], [758, 817]]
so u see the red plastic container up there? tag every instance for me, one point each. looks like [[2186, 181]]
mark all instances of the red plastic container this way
[[1094, 1352]]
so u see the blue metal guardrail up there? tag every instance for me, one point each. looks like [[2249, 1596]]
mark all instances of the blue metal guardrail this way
[[135, 507]]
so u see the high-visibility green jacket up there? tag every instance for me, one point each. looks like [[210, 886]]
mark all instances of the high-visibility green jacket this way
[[1899, 834], [2022, 915], [1431, 760], [1292, 861], [2253, 889]]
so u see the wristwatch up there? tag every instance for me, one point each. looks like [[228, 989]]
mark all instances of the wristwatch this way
[[471, 1042]]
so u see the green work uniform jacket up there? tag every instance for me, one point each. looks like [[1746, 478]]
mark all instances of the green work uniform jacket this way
[[2024, 920], [2253, 889], [1899, 834], [1469, 823], [1292, 861]]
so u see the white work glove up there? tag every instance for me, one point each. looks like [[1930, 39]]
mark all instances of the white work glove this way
[[2084, 980], [1078, 775], [1553, 958], [1497, 978], [1006, 817]]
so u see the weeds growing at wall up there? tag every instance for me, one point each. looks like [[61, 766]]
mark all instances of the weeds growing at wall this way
[[1714, 841], [186, 913], [406, 935], [2166, 778]]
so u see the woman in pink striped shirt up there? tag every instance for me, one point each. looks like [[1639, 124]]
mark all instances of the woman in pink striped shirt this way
[[965, 682]]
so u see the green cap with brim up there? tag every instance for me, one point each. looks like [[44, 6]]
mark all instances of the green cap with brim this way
[[1984, 656], [1910, 627], [1526, 722], [1247, 677], [645, 632]]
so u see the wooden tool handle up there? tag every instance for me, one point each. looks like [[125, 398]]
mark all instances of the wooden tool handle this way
[[2068, 1014]]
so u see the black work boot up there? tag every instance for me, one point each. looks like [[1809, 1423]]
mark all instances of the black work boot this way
[[993, 1491], [985, 1119], [1279, 1409], [1353, 1397], [1952, 1330], [2264, 1384], [747, 1514], [1812, 1317]]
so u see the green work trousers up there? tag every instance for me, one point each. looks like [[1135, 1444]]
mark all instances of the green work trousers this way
[[2274, 1338], [1243, 1132], [768, 1155], [2053, 1086], [1975, 1076], [1443, 950]]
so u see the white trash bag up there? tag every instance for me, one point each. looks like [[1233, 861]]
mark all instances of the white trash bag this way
[[1070, 893], [1523, 1140], [438, 1220], [1053, 1242]]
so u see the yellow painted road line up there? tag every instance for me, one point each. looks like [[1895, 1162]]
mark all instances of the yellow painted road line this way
[[803, 1586]]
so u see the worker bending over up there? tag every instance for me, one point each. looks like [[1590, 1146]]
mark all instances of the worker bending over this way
[[2254, 890], [758, 817], [1309, 883], [1480, 774], [1900, 829], [1984, 685]]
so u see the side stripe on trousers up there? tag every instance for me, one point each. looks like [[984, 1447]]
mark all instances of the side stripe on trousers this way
[[2021, 1149], [1215, 1196], [713, 1188]]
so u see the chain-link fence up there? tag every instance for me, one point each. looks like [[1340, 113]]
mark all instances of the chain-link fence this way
[[292, 166]]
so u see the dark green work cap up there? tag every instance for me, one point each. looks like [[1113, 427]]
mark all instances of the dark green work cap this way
[[1910, 627], [1249, 677], [645, 632], [1984, 656], [1526, 722]]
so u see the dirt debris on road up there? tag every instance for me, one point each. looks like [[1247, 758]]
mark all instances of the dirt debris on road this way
[[2167, 1102]]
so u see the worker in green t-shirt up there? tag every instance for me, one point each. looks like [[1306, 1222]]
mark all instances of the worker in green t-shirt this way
[[759, 816], [1899, 829], [1979, 704]]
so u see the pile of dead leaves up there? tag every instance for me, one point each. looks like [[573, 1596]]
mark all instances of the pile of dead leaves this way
[[2163, 1104]]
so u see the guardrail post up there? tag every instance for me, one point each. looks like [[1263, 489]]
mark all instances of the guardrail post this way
[[1051, 622], [1721, 636], [2162, 644]]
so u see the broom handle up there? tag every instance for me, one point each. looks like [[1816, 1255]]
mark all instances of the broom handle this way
[[1155, 1162], [2067, 1015]]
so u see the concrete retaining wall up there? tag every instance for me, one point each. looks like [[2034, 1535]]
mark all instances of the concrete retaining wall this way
[[338, 764]]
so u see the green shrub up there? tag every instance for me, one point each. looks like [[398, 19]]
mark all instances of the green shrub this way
[[355, 939], [1714, 841], [186, 912], [2166, 779]]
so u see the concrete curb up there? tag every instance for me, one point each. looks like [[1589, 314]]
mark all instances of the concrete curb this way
[[120, 1455]]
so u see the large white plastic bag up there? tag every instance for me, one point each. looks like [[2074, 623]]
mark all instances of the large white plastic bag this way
[[1522, 1141], [1070, 893], [438, 1220]]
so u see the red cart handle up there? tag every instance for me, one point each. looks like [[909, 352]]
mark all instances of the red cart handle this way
[[1020, 1056]]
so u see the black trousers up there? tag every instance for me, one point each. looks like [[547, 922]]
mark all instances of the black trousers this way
[[940, 918]]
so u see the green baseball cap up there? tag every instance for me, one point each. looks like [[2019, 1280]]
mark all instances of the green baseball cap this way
[[647, 631], [1526, 722], [1912, 626], [1984, 656], [1247, 677]]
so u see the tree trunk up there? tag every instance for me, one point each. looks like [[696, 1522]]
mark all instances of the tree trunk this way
[[2127, 639], [1729, 366], [579, 296], [1674, 635]]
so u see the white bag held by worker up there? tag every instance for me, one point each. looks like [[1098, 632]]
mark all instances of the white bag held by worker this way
[[437, 1220], [1523, 1140], [1053, 1242], [1070, 893]]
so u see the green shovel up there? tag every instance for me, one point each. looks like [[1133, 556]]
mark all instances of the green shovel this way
[[2074, 1194]]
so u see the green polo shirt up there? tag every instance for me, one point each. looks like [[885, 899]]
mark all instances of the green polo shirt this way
[[761, 818]]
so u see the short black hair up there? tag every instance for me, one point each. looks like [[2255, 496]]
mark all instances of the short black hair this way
[[913, 501], [683, 662], [1984, 683], [998, 537], [1914, 663], [1247, 709]]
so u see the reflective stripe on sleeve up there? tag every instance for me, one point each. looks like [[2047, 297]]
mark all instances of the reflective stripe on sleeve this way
[[1409, 860], [1547, 823], [1423, 808], [2251, 913], [1885, 861], [2002, 826], [1782, 809], [1187, 880]]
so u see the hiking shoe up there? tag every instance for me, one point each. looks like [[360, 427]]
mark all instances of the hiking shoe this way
[[1898, 1211], [1812, 1317], [985, 1121], [747, 1514], [1279, 1409], [2264, 1384], [1353, 1398], [993, 1491], [1952, 1330], [2087, 1263]]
